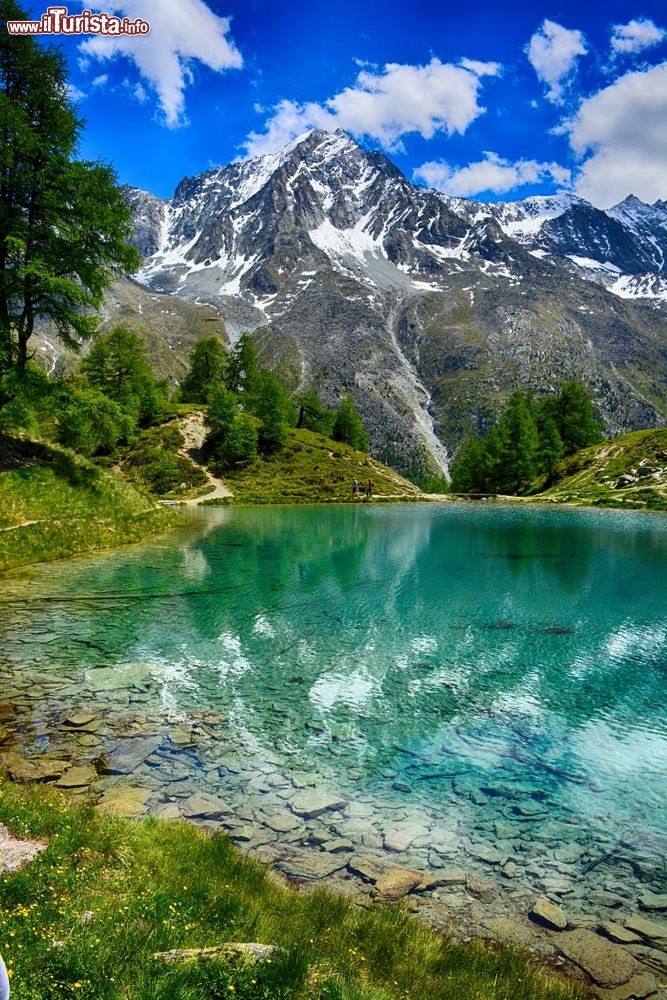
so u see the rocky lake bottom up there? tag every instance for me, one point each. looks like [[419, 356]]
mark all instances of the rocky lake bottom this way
[[461, 710]]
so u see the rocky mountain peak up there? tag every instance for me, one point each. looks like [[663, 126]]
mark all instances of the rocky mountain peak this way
[[423, 307]]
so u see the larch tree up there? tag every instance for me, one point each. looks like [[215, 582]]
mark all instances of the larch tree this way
[[64, 223]]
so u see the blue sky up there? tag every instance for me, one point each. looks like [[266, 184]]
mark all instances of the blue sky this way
[[489, 101]]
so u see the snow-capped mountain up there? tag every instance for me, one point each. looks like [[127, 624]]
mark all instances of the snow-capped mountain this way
[[427, 309], [623, 248]]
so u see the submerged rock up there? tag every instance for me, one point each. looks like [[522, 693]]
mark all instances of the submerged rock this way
[[366, 867], [311, 865], [618, 934], [396, 883], [482, 888], [650, 929], [79, 720], [637, 988], [548, 914], [312, 804], [607, 964], [127, 755], [202, 806], [652, 901], [128, 802], [7, 713], [77, 777], [41, 769], [485, 852]]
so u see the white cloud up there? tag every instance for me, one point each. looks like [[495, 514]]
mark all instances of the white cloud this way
[[622, 127], [139, 93], [493, 173], [553, 52], [181, 31], [635, 36], [481, 68], [385, 105], [101, 81]]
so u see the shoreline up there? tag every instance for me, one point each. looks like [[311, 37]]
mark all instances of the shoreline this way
[[111, 763]]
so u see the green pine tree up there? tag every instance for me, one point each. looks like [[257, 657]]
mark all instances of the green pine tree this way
[[348, 426], [223, 408], [242, 373], [576, 423], [313, 414], [273, 408], [550, 447], [64, 224], [241, 442], [518, 444], [207, 365], [469, 468]]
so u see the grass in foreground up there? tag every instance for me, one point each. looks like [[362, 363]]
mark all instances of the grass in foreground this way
[[153, 886], [589, 476], [54, 504], [311, 469]]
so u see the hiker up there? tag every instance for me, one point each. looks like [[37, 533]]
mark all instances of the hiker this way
[[355, 488], [370, 486]]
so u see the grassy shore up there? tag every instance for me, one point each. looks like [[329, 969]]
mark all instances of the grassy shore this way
[[593, 476], [313, 468], [55, 504], [85, 918]]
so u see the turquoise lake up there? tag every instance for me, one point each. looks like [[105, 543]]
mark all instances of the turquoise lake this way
[[482, 685]]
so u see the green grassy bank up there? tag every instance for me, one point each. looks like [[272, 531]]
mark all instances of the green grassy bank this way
[[629, 471], [54, 504], [85, 918], [313, 468]]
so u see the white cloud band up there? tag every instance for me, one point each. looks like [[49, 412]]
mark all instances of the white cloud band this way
[[493, 173], [386, 105]]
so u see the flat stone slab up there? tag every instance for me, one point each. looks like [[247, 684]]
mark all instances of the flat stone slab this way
[[337, 846], [397, 882], [78, 777], [39, 769], [401, 837], [312, 865], [127, 755], [509, 931], [127, 802], [202, 806], [482, 888], [281, 822], [168, 811], [618, 934], [79, 720], [643, 985], [607, 964], [549, 915], [649, 901], [652, 929], [485, 852], [312, 804], [445, 876], [366, 867]]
